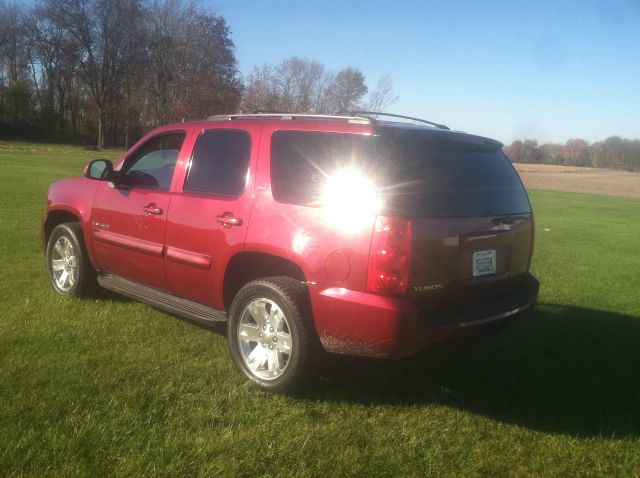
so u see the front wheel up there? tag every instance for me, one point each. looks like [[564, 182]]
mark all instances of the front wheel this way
[[270, 333], [68, 266]]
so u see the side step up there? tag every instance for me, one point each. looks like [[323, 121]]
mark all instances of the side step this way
[[162, 300]]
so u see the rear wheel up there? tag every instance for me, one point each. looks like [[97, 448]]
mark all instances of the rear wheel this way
[[68, 266], [270, 333]]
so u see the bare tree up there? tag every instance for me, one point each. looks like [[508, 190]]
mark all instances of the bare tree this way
[[382, 96], [575, 152], [53, 57], [261, 90], [524, 151], [300, 84], [105, 31], [295, 85], [13, 59]]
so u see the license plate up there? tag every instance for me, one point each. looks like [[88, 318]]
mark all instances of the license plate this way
[[484, 262]]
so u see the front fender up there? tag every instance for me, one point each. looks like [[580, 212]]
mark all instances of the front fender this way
[[72, 196]]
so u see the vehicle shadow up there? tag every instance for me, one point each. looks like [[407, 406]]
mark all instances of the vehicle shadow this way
[[107, 295], [561, 369]]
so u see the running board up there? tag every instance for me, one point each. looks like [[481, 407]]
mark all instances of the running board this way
[[162, 300]]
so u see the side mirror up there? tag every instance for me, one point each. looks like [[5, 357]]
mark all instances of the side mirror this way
[[99, 169]]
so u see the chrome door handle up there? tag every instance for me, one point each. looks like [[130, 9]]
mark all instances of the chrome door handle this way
[[228, 219], [152, 209]]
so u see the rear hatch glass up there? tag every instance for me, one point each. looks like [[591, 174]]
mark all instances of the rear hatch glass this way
[[441, 174], [471, 222]]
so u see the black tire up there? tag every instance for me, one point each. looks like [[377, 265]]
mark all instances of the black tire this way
[[290, 296], [81, 278]]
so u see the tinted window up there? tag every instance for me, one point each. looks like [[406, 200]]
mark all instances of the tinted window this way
[[300, 160], [435, 174], [220, 163], [152, 164], [418, 173]]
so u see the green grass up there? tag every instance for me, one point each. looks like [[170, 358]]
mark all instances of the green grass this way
[[111, 387]]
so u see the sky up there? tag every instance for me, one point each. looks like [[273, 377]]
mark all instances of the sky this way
[[545, 70]]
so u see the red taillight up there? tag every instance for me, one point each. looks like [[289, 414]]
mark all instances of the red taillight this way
[[389, 257]]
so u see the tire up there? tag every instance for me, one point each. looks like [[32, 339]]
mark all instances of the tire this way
[[68, 266], [271, 335]]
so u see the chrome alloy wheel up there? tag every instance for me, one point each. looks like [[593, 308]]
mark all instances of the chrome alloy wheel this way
[[64, 264], [264, 339]]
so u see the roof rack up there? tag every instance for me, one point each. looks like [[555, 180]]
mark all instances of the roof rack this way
[[355, 116], [377, 113], [289, 116]]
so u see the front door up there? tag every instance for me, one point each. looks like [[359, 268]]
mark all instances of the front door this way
[[128, 220]]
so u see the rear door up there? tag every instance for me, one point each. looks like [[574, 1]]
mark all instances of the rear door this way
[[128, 221], [471, 220], [210, 212]]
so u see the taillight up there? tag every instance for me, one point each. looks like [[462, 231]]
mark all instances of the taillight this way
[[389, 257]]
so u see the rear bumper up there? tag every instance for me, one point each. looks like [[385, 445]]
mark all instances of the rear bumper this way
[[357, 323]]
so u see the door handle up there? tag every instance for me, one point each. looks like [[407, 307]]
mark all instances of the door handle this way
[[152, 209], [228, 219]]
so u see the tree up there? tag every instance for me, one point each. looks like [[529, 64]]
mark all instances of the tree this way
[[300, 84], [261, 90], [575, 152], [13, 61], [105, 32], [382, 96], [550, 153], [212, 84], [526, 151], [348, 89]]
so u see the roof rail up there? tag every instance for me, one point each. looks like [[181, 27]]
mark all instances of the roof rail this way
[[377, 113], [289, 116]]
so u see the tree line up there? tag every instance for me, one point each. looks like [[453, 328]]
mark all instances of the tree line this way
[[299, 85], [613, 152], [105, 72], [109, 70]]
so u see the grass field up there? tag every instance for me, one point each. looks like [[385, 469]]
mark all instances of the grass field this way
[[613, 182], [111, 387]]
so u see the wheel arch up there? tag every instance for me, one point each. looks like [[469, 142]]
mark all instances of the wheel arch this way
[[54, 218], [247, 266]]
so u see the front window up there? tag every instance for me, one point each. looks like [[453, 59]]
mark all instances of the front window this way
[[152, 164]]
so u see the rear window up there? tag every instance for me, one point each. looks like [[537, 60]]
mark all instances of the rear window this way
[[434, 174], [417, 173], [220, 163]]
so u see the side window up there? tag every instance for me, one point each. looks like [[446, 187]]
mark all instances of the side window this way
[[152, 164], [301, 161], [220, 163]]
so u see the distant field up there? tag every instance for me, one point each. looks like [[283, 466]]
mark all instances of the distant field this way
[[586, 180], [105, 386]]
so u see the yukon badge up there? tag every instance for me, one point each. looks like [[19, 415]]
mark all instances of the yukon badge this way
[[427, 288]]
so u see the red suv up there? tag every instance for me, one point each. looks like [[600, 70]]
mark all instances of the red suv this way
[[304, 233]]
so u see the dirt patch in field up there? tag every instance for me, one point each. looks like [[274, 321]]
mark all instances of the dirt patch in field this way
[[581, 180]]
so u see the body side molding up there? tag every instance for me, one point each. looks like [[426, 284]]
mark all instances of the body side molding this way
[[194, 259], [129, 242]]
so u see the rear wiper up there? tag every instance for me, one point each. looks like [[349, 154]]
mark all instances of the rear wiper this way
[[508, 220]]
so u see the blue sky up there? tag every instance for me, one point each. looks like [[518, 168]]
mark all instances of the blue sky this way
[[548, 70]]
